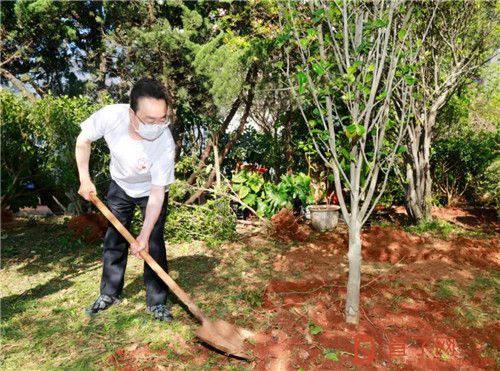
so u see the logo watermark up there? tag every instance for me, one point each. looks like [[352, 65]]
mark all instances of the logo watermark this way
[[433, 350]]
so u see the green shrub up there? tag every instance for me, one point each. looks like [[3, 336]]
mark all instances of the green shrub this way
[[56, 124], [19, 157], [488, 189], [213, 222], [458, 165], [267, 198], [435, 227], [38, 144]]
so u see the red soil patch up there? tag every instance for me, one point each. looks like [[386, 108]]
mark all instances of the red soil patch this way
[[142, 357], [392, 245], [90, 226], [287, 228], [409, 336], [417, 325], [133, 357], [471, 219]]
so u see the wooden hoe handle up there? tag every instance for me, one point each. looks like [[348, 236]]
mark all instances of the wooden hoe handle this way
[[148, 259]]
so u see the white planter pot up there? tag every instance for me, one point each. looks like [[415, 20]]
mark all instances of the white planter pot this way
[[324, 217]]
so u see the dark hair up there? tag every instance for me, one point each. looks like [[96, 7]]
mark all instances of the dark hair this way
[[150, 88]]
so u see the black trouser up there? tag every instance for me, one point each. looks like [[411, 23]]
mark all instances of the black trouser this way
[[116, 247]]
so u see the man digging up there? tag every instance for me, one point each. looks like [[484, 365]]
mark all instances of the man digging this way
[[142, 168]]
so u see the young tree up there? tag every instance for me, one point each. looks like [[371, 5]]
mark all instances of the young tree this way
[[353, 57], [457, 38]]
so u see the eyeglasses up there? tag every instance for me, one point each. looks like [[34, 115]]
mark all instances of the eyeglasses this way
[[164, 122]]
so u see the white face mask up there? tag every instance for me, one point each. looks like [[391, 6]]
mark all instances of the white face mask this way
[[150, 131]]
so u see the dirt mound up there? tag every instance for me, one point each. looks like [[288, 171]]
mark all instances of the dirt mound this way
[[480, 253], [470, 219], [91, 227], [325, 257], [287, 228], [320, 259], [390, 245]]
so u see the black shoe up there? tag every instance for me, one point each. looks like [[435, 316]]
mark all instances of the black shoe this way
[[160, 312], [103, 302]]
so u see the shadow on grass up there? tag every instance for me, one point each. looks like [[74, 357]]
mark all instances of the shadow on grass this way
[[194, 272], [16, 304]]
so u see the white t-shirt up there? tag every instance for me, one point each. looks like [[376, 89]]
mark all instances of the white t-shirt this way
[[135, 164]]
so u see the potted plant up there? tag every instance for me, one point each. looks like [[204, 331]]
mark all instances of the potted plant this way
[[324, 217]]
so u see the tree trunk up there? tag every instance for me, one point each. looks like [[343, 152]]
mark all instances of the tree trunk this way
[[18, 84], [418, 170], [103, 63], [229, 145], [354, 280], [206, 153], [287, 136]]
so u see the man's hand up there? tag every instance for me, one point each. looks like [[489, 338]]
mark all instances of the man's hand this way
[[86, 188], [142, 244]]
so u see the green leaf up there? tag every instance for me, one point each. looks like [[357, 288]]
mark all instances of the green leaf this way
[[318, 15], [402, 149], [348, 96], [238, 178], [331, 354], [314, 329], [350, 77], [243, 192], [381, 95], [345, 153], [354, 130], [304, 41], [410, 80], [261, 207], [282, 39], [250, 199], [302, 79], [318, 69], [255, 186], [401, 34], [311, 32]]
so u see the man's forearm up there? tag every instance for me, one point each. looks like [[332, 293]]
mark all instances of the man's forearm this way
[[82, 156], [153, 209]]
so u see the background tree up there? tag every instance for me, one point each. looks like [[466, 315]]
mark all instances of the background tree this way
[[456, 39], [44, 43]]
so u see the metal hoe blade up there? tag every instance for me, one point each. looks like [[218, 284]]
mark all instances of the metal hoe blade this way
[[225, 337]]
